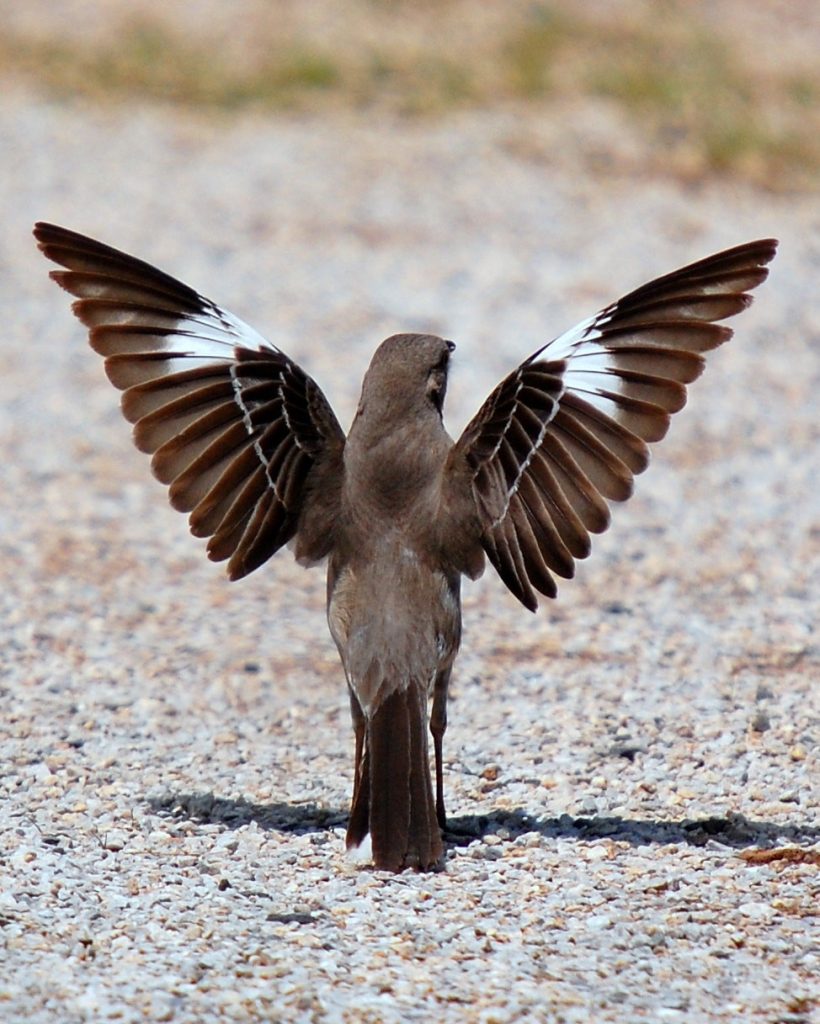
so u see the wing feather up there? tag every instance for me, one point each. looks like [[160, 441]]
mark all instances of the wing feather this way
[[567, 431], [234, 426]]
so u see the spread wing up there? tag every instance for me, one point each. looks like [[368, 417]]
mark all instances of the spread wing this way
[[567, 431], [233, 425]]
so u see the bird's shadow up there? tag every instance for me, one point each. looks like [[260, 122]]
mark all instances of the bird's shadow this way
[[733, 830], [298, 818]]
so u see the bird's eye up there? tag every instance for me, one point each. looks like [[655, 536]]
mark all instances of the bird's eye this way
[[436, 386]]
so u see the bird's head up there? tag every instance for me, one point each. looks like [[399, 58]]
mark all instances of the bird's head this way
[[407, 377]]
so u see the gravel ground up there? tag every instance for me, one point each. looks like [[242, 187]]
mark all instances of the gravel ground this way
[[633, 770]]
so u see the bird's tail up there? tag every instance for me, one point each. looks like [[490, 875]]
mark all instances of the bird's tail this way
[[393, 796]]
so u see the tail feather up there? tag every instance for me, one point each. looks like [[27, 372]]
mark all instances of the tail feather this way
[[393, 799]]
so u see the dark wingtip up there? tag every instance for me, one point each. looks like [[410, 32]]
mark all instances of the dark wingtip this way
[[41, 231], [770, 244], [765, 249], [46, 232], [50, 236]]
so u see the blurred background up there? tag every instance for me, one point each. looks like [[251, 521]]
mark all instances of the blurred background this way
[[684, 88]]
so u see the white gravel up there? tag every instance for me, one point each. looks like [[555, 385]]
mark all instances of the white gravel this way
[[176, 750]]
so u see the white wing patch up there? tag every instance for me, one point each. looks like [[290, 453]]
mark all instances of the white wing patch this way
[[237, 330], [570, 343]]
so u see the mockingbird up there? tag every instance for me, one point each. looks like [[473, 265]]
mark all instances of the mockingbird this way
[[250, 448]]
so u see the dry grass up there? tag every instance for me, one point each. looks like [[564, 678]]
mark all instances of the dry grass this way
[[697, 101]]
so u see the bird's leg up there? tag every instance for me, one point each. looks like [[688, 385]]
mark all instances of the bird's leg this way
[[358, 825], [359, 725], [438, 725]]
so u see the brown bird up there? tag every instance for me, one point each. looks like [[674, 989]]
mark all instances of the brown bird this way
[[250, 447]]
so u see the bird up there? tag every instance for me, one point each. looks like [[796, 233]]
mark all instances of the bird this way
[[251, 450]]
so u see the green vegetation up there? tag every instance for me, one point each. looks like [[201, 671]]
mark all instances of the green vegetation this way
[[687, 89], [695, 102], [148, 61]]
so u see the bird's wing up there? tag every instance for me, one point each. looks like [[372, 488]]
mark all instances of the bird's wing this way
[[234, 426], [566, 432]]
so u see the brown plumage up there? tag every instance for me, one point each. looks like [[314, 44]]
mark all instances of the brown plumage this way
[[250, 448]]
